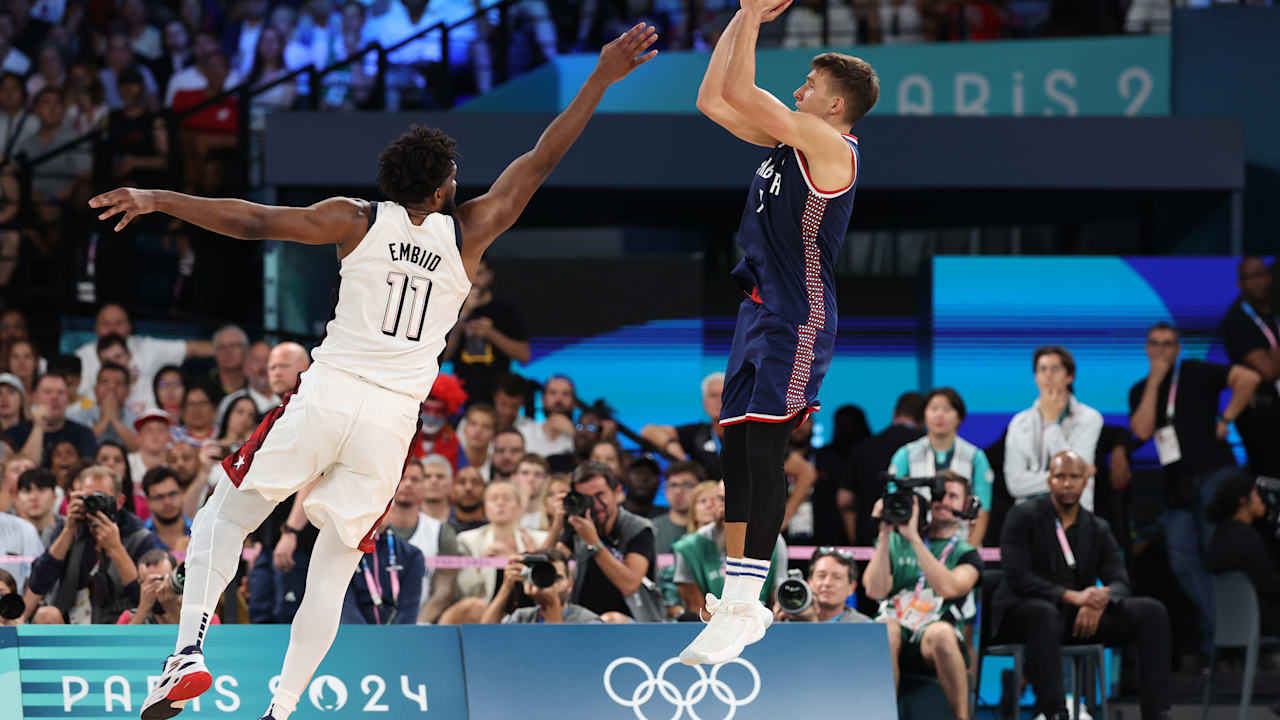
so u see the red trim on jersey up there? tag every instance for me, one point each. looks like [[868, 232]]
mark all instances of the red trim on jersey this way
[[804, 167], [851, 137], [755, 295], [368, 543], [751, 417], [244, 457]]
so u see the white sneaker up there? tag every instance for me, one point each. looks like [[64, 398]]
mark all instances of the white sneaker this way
[[734, 624], [185, 677]]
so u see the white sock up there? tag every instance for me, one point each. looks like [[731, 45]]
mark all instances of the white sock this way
[[282, 706], [744, 578], [217, 536]]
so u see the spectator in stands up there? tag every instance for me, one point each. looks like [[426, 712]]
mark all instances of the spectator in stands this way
[[12, 400], [144, 38], [258, 383], [1237, 546], [831, 461], [287, 361], [61, 459], [502, 537], [1177, 404], [230, 347], [466, 495], [240, 38], [68, 366], [37, 498], [13, 469], [508, 448], [139, 143], [1054, 552], [177, 56], [23, 361], [641, 482], [158, 604], [17, 123], [19, 537], [1249, 332], [437, 486], [406, 521], [120, 58], [801, 475], [49, 424], [167, 389], [112, 350], [53, 181], [388, 588], [197, 415], [109, 418], [698, 441], [551, 603], [86, 98], [351, 86], [240, 422], [94, 555], [1056, 421], [699, 569], [490, 333], [477, 438], [153, 431], [553, 437], [833, 578], [147, 354], [508, 398], [269, 66], [436, 436], [805, 24], [550, 503], [193, 77], [612, 548], [607, 452], [10, 197], [941, 449], [682, 477], [925, 588], [313, 35], [113, 456], [13, 327], [164, 496], [9, 585], [51, 71], [530, 476]]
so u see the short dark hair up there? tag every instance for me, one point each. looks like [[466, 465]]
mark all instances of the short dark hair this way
[[157, 475], [155, 556], [951, 476], [186, 394], [1162, 325], [588, 471], [535, 459], [110, 340], [840, 556], [952, 397], [511, 384], [46, 90], [37, 478], [1068, 361], [130, 76], [510, 431], [155, 381], [114, 367], [1232, 491], [8, 580], [853, 79], [687, 467], [42, 378], [554, 555], [65, 364], [910, 404], [415, 164]]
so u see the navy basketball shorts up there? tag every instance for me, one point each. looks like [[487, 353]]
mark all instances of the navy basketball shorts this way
[[775, 367]]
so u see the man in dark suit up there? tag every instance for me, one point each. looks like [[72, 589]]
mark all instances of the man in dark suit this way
[[861, 485], [1054, 552]]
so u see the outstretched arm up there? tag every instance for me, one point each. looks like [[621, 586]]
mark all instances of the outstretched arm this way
[[710, 95], [485, 218], [336, 221]]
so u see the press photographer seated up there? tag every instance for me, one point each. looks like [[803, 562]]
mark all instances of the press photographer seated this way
[[544, 578], [1238, 546], [923, 574], [832, 580]]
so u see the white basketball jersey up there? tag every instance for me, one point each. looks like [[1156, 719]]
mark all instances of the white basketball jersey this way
[[399, 295]]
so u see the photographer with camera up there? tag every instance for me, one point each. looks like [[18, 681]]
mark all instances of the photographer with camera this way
[[924, 574], [544, 578], [161, 592], [833, 578], [92, 563]]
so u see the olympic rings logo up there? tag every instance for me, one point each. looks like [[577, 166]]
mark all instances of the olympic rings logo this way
[[691, 697]]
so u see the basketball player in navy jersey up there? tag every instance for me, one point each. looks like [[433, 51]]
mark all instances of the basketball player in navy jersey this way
[[407, 264], [797, 213]]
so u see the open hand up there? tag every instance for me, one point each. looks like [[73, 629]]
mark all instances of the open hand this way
[[130, 201], [1086, 622], [626, 53]]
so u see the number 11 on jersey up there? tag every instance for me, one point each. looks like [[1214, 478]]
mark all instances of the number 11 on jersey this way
[[395, 304]]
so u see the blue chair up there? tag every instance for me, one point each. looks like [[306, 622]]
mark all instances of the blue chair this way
[[1236, 624]]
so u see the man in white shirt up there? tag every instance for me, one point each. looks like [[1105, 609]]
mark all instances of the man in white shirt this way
[[147, 354], [190, 77], [312, 36], [1057, 421], [19, 537], [554, 435]]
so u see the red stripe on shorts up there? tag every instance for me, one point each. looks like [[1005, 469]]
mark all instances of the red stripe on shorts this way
[[368, 542], [238, 463]]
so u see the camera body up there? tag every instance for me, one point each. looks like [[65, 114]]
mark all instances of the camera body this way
[[901, 494], [539, 570], [100, 502], [575, 503], [1269, 491], [794, 594]]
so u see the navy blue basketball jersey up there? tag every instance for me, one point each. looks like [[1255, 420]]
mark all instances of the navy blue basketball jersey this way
[[790, 235]]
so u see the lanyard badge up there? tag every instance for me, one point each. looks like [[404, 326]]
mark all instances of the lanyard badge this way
[[1067, 555]]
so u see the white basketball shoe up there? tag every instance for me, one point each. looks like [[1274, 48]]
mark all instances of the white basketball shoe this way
[[734, 624], [185, 677]]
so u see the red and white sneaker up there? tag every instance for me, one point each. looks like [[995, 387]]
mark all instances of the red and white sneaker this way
[[185, 677]]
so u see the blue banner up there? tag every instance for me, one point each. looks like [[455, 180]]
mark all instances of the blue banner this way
[[1121, 76], [623, 672]]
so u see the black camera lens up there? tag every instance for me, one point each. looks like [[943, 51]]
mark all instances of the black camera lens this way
[[11, 606], [575, 503], [99, 502], [539, 570], [794, 594]]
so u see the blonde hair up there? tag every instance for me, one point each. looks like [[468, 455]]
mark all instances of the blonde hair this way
[[702, 489], [563, 479]]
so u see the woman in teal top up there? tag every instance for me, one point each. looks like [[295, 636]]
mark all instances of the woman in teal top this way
[[943, 449]]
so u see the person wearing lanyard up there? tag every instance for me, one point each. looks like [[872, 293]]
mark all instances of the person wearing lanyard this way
[[1251, 335], [925, 588], [1054, 553], [387, 586], [1177, 406]]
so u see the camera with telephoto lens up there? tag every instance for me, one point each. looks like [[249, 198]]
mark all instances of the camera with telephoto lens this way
[[794, 594], [901, 494], [100, 502], [575, 503], [539, 570]]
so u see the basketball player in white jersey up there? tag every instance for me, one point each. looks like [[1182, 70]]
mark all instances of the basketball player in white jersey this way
[[406, 267]]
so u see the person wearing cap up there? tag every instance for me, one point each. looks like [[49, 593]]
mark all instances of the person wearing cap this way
[[109, 417], [1237, 546], [49, 425], [12, 399], [641, 481], [152, 428]]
